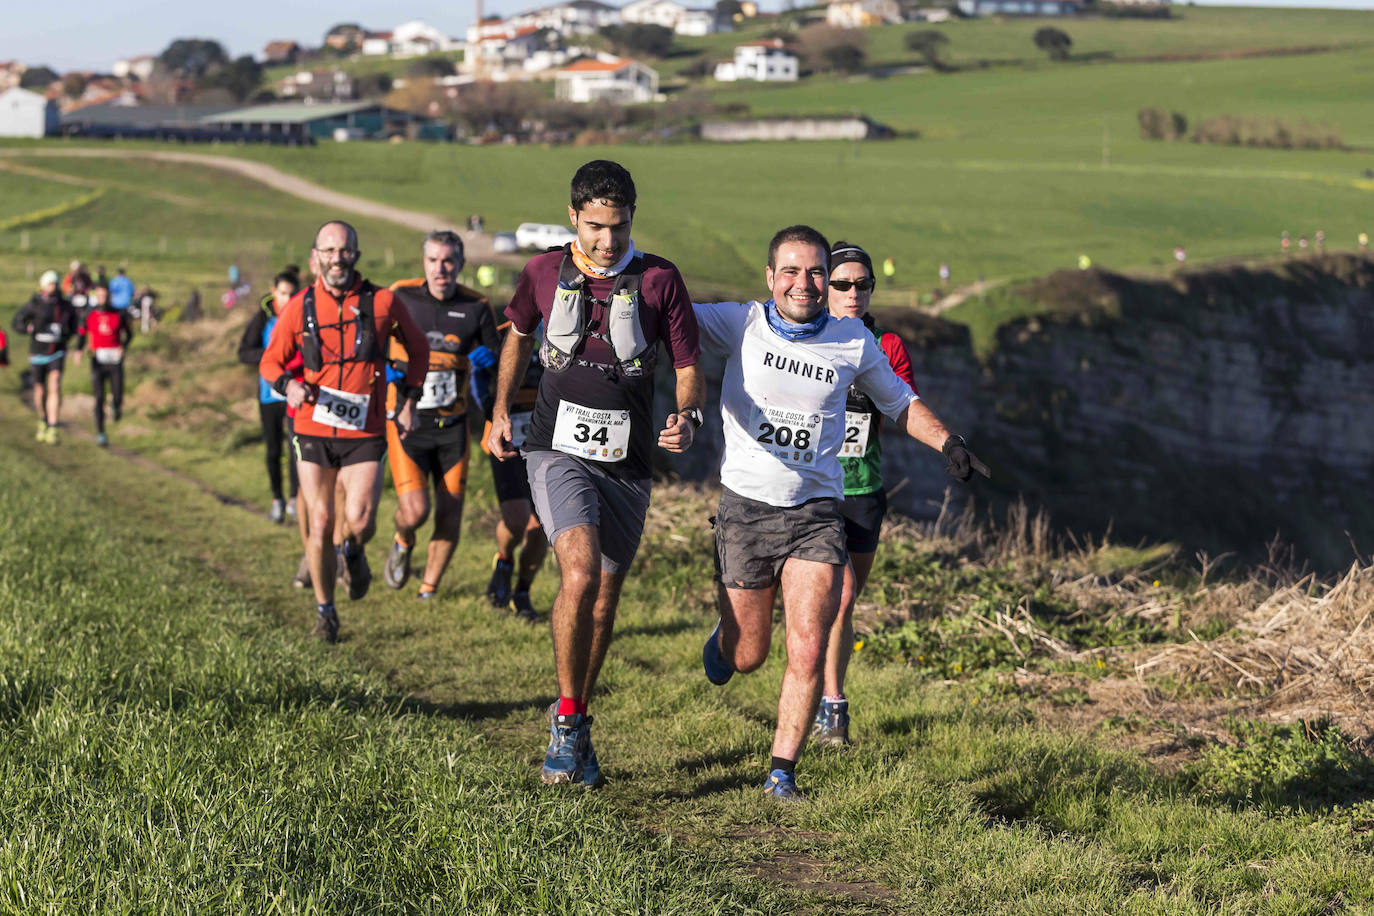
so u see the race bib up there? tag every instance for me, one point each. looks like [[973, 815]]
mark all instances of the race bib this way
[[519, 428], [441, 389], [79, 301], [599, 435], [341, 409], [109, 356], [856, 426], [791, 436], [52, 335]]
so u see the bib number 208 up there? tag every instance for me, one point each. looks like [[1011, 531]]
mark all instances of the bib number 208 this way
[[786, 436]]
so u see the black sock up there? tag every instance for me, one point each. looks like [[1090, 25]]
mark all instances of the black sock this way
[[522, 585], [782, 763], [325, 609]]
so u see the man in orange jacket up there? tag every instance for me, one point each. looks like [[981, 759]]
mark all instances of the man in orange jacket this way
[[341, 325]]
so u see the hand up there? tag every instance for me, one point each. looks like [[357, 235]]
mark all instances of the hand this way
[[482, 357], [498, 443], [678, 435], [76, 357], [296, 394], [405, 418], [961, 463]]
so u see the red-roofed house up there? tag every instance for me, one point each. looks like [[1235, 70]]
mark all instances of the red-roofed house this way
[[615, 80]]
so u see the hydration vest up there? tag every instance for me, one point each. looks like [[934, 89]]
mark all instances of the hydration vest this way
[[365, 349], [568, 326]]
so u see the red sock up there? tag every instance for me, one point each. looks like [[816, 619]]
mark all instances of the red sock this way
[[567, 706]]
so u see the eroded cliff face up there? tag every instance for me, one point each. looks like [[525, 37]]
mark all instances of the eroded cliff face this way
[[1217, 408]]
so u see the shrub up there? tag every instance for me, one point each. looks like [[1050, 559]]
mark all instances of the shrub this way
[[827, 48], [1158, 124]]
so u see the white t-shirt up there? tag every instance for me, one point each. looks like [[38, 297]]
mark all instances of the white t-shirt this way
[[783, 401]]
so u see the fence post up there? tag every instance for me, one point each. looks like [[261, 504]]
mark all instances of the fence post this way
[[24, 240]]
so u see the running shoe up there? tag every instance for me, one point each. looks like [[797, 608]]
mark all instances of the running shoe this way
[[397, 569], [568, 740], [718, 670], [591, 767], [427, 592], [42, 434], [291, 507], [302, 577], [51, 436], [520, 604], [326, 625], [102, 440], [782, 786], [498, 588], [832, 723], [274, 514], [359, 573]]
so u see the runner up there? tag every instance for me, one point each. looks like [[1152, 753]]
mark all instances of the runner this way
[[865, 503], [788, 369], [50, 321], [272, 411], [461, 331], [107, 331], [605, 307], [519, 528], [340, 325]]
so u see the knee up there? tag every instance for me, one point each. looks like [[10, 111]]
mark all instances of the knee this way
[[582, 583], [749, 659], [413, 513], [806, 656]]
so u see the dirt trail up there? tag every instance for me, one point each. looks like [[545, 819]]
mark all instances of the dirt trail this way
[[478, 244]]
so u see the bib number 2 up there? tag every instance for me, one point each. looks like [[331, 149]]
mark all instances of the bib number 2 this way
[[856, 428]]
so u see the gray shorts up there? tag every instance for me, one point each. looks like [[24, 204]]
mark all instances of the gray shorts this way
[[754, 539], [569, 492]]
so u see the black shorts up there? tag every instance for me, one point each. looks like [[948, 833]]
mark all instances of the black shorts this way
[[331, 452], [754, 539], [863, 520], [41, 370], [511, 479], [429, 453]]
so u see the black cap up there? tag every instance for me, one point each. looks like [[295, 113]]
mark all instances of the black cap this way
[[842, 252]]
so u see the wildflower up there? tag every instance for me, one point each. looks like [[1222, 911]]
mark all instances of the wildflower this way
[[958, 667], [1101, 663], [858, 644], [1155, 583]]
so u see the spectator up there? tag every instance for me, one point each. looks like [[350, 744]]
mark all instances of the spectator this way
[[121, 290], [191, 312]]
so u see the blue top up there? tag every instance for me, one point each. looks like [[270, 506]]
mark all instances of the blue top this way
[[266, 393], [121, 291]]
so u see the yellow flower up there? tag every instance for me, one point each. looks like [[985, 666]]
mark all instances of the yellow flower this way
[[858, 644], [958, 667], [1156, 583], [1101, 663]]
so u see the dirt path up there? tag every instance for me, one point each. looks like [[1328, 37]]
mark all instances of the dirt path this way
[[478, 244]]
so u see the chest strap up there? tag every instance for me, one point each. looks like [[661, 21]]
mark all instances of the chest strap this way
[[365, 349], [568, 326]]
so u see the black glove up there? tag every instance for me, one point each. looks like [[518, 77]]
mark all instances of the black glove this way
[[961, 463]]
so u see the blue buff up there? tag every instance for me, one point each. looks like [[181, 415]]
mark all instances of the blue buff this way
[[482, 357], [791, 330]]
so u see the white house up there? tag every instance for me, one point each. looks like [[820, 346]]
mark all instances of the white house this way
[[767, 61], [653, 12], [576, 17], [616, 80], [376, 44], [140, 68], [700, 22], [27, 114], [860, 14], [416, 37]]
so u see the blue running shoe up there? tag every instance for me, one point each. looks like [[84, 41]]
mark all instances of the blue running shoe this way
[[832, 723], [718, 670], [782, 786], [568, 741], [591, 767]]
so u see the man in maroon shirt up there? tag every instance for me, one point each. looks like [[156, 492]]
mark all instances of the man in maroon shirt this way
[[605, 307]]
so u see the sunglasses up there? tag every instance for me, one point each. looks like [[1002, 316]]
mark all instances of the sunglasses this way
[[843, 286]]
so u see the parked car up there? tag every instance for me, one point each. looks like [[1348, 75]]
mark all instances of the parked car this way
[[542, 235], [505, 243]]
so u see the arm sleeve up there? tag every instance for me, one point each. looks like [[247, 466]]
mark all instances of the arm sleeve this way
[[876, 379], [897, 358], [22, 318], [250, 344], [412, 338], [282, 346], [522, 310], [678, 322], [718, 324]]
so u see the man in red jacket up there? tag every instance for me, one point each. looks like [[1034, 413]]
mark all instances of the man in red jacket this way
[[341, 325]]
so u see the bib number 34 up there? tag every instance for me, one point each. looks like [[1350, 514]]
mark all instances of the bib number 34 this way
[[598, 435]]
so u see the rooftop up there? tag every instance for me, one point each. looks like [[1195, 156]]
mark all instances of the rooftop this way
[[288, 112]]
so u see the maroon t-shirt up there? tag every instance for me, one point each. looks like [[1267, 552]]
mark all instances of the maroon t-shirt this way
[[665, 314]]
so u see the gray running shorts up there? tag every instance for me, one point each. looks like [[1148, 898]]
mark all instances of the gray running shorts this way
[[754, 539], [569, 492]]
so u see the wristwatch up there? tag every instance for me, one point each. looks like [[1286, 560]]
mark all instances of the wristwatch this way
[[695, 415], [412, 393]]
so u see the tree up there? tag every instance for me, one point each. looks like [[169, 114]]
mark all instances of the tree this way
[[73, 84], [432, 67], [639, 39], [345, 38], [844, 58], [928, 43], [38, 78], [239, 78], [192, 57], [827, 48], [727, 10], [1054, 42]]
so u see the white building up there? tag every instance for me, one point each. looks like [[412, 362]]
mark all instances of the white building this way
[[653, 12], [27, 114], [766, 61], [700, 22], [616, 80], [376, 44], [577, 17], [415, 38], [860, 14], [140, 68]]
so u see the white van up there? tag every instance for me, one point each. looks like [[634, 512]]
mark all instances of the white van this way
[[543, 235]]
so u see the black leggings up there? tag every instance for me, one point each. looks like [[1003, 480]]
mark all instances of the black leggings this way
[[100, 374], [275, 429]]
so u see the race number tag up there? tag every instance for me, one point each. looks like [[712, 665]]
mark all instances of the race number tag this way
[[52, 335], [599, 435], [79, 301], [341, 409], [856, 426], [520, 428], [441, 389], [791, 436], [109, 356]]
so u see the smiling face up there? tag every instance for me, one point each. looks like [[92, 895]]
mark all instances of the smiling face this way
[[603, 231], [851, 303], [335, 253], [798, 280]]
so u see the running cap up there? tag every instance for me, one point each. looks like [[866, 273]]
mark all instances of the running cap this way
[[842, 252], [49, 276]]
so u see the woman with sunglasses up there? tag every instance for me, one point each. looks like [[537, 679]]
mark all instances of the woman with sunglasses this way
[[865, 503]]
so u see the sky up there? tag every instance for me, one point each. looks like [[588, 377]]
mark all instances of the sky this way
[[93, 34]]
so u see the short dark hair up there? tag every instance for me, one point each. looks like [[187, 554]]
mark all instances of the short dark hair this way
[[287, 276], [797, 233], [446, 237], [602, 179]]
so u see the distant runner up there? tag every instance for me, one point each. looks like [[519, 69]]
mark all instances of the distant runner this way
[[788, 369], [865, 502], [605, 306], [272, 409], [341, 325], [458, 324], [107, 332], [49, 321]]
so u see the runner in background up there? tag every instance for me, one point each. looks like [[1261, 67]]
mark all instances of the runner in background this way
[[272, 409], [49, 321], [107, 332]]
